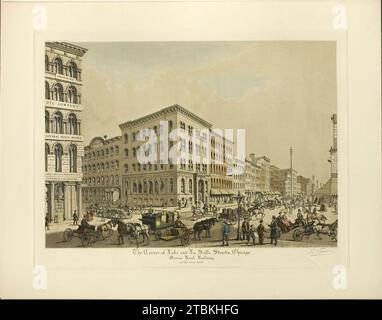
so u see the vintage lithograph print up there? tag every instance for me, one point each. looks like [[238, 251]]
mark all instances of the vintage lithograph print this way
[[197, 144]]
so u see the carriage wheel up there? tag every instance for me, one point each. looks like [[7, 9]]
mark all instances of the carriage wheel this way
[[278, 233], [185, 239], [297, 235], [142, 238], [85, 239], [98, 236], [68, 234], [158, 235]]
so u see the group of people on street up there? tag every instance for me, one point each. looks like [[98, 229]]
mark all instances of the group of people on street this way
[[248, 232]]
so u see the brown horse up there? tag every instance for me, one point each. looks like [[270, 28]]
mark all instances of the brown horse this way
[[205, 224]]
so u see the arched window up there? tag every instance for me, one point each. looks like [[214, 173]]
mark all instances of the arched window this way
[[102, 167], [126, 152], [126, 137], [72, 70], [112, 180], [171, 183], [112, 166], [46, 121], [46, 156], [116, 150], [190, 186], [102, 154], [134, 187], [156, 187], [107, 166], [47, 90], [58, 127], [72, 94], [57, 65], [140, 188], [72, 158], [150, 187], [111, 151], [46, 63], [58, 157], [182, 186], [72, 120], [161, 186], [58, 92], [144, 187]]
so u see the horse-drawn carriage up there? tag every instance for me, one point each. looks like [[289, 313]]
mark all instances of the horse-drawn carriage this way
[[299, 228], [86, 235], [163, 225]]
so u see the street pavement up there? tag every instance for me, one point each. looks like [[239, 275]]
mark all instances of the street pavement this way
[[54, 236]]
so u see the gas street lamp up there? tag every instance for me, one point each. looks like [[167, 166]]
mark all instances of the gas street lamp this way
[[239, 198]]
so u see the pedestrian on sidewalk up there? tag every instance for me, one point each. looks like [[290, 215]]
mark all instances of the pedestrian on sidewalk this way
[[273, 227], [260, 232], [75, 218], [226, 233], [252, 234], [245, 229]]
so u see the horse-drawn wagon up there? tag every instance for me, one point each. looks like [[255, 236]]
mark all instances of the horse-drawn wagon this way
[[299, 228], [163, 225], [86, 235]]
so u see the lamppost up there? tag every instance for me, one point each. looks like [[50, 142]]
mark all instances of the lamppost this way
[[239, 198]]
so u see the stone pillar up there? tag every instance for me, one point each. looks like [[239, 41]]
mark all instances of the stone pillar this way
[[73, 200], [51, 202], [79, 128], [66, 202], [79, 199]]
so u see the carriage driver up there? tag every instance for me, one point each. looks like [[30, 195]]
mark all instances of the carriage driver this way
[[85, 224], [178, 223]]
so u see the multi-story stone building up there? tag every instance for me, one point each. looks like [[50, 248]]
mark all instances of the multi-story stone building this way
[[221, 166], [277, 182], [102, 171], [263, 176], [239, 175], [63, 140], [290, 188], [161, 164], [250, 177], [305, 184]]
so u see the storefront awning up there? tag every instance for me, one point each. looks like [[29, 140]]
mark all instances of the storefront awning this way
[[215, 192]]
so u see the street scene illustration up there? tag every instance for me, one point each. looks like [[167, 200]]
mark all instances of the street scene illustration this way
[[191, 144]]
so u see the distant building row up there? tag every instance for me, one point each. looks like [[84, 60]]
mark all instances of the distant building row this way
[[112, 171]]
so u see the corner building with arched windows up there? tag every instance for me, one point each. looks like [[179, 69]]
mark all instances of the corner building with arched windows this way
[[63, 140]]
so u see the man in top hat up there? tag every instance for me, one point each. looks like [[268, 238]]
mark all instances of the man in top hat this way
[[261, 231], [178, 223], [273, 227], [245, 229]]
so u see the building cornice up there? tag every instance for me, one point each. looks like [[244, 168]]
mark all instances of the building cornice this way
[[162, 112], [67, 47]]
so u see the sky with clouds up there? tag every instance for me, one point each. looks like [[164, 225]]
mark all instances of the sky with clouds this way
[[282, 93]]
